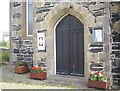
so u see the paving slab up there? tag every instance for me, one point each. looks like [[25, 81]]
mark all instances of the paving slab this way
[[53, 81]]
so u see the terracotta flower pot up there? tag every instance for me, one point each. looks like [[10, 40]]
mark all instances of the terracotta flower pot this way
[[41, 75], [97, 84], [21, 69]]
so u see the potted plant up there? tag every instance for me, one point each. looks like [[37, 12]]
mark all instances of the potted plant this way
[[37, 72], [20, 67], [98, 80]]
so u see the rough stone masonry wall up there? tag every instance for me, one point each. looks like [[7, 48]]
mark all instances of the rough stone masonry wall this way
[[17, 24], [21, 44], [115, 43]]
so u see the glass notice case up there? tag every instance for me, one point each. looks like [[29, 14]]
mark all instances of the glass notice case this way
[[98, 35]]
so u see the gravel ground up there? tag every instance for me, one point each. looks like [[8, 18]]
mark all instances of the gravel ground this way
[[10, 80]]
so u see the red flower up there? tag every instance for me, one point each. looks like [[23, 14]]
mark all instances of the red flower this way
[[36, 68], [101, 73], [33, 67], [97, 72]]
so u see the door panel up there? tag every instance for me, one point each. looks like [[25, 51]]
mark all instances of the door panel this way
[[62, 52], [76, 51], [65, 52], [70, 46], [73, 52], [59, 56], [81, 53]]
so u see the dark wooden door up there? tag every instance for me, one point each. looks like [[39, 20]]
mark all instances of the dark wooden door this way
[[70, 46]]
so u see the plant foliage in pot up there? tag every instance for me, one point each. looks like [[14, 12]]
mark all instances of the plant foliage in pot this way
[[98, 80], [20, 67], [37, 72]]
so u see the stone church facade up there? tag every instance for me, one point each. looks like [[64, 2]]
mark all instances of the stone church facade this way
[[65, 35]]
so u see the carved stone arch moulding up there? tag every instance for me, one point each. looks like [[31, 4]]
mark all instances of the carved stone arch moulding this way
[[61, 10]]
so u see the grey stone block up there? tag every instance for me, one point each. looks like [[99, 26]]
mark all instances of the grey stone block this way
[[16, 4], [17, 27], [39, 19], [17, 15]]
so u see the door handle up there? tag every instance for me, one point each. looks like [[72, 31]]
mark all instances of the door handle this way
[[73, 66]]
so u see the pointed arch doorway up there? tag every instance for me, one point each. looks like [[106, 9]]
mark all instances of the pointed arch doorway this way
[[70, 46]]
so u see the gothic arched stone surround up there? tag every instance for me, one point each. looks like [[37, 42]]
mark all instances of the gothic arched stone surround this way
[[52, 19]]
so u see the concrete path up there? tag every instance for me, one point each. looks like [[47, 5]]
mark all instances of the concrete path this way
[[59, 81]]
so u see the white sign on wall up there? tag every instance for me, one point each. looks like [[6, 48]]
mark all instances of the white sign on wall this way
[[41, 41], [98, 35]]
